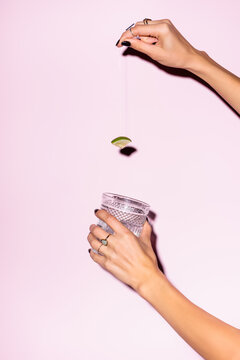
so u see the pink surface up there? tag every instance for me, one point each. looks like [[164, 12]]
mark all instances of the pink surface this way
[[66, 92]]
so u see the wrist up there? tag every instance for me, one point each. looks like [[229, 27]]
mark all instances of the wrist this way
[[199, 63], [155, 282]]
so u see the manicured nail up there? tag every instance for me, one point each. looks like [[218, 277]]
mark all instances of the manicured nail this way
[[117, 42], [154, 43], [96, 210], [126, 43], [89, 250], [130, 27], [147, 219]]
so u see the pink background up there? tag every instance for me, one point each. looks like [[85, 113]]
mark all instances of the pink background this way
[[66, 92]]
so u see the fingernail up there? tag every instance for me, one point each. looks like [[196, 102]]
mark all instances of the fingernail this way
[[129, 27], [89, 250], [154, 43], [126, 43], [117, 42], [96, 210], [147, 219]]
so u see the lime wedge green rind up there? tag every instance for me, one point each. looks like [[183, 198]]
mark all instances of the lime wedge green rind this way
[[121, 141]]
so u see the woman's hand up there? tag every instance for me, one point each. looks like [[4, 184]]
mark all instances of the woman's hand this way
[[162, 42], [132, 260], [128, 258]]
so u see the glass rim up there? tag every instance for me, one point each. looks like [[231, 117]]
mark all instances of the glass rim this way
[[141, 203]]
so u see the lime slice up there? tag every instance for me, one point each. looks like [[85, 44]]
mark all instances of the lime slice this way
[[121, 141]]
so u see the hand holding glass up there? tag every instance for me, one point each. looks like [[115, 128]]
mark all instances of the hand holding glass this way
[[130, 212]]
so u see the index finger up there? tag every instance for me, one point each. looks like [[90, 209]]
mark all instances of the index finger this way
[[111, 221], [140, 30]]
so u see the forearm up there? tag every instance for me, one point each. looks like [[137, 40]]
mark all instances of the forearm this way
[[223, 81], [209, 336]]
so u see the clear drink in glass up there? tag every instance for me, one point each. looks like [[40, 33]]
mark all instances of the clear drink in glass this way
[[130, 212]]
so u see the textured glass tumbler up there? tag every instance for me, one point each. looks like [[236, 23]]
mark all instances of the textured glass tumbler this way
[[131, 212]]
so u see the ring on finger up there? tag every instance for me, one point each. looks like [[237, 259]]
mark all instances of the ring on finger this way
[[135, 36], [105, 241], [131, 32], [146, 20], [130, 29]]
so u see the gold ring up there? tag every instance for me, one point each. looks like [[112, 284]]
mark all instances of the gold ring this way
[[146, 20], [105, 241]]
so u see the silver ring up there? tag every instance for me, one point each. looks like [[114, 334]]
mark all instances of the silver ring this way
[[146, 20], [131, 31], [135, 36]]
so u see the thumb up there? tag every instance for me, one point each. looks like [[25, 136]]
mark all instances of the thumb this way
[[142, 46], [145, 236]]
